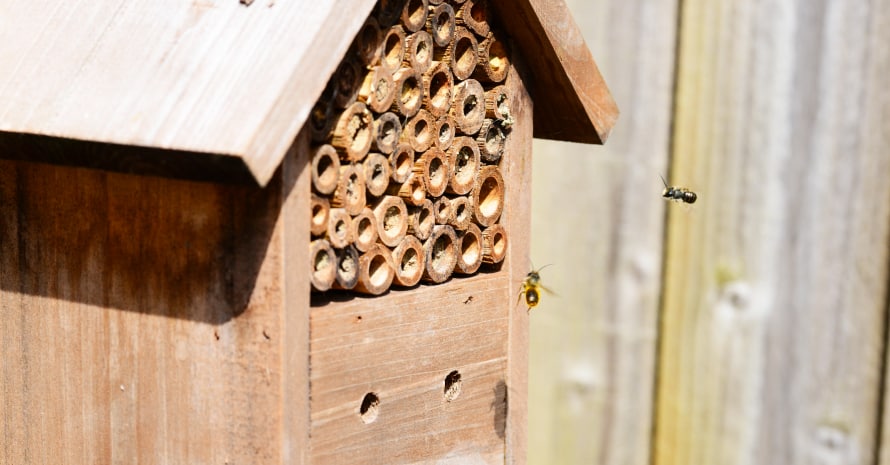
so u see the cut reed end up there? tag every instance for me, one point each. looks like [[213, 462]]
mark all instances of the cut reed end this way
[[408, 261], [391, 216], [419, 53], [364, 230], [350, 192], [378, 89], [494, 244], [420, 131], [441, 25], [321, 210], [465, 159], [468, 109], [377, 173], [347, 268], [325, 169], [401, 162], [375, 271], [353, 132], [409, 92], [392, 49], [421, 220], [435, 169], [339, 231], [469, 253], [444, 132], [461, 213], [323, 268], [438, 89], [414, 14], [440, 254], [491, 141], [488, 196]]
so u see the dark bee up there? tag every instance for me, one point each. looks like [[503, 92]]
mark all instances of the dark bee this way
[[531, 288], [678, 194]]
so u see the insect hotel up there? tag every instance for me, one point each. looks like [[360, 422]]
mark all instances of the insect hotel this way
[[275, 231]]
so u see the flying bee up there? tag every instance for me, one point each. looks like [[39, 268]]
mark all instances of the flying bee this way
[[677, 194], [531, 288]]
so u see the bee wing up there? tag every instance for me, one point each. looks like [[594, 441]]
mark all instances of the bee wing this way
[[548, 291]]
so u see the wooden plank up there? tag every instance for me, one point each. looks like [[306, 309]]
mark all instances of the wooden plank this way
[[573, 102], [598, 219], [142, 320], [516, 218], [776, 280], [205, 77], [401, 346]]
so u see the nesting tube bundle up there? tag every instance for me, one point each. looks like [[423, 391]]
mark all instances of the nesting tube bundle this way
[[409, 136]]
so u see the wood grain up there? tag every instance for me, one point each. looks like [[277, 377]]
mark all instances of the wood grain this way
[[776, 282], [142, 318], [573, 101], [594, 340]]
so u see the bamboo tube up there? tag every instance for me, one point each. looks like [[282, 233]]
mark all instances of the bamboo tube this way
[[387, 130], [347, 268], [491, 141], [435, 170], [494, 60], [367, 42], [321, 120], [391, 215], [414, 14], [353, 132], [339, 231], [364, 230], [348, 80], [412, 191], [494, 243], [409, 92], [321, 210], [420, 132], [461, 213], [388, 12], [376, 172], [442, 210], [407, 259], [421, 220], [392, 49], [402, 162], [350, 192], [377, 89], [497, 106], [438, 89], [323, 269], [440, 23], [488, 196], [444, 133], [419, 51], [468, 109], [469, 250], [460, 54], [325, 169], [474, 16], [375, 271], [435, 2], [440, 254], [464, 156]]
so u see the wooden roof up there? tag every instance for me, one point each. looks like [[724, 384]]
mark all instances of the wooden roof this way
[[234, 82]]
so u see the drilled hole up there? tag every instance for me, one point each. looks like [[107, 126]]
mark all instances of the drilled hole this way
[[452, 386], [370, 407]]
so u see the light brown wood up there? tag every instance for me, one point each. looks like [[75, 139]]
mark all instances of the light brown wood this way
[[464, 155], [445, 130], [469, 250], [434, 168], [409, 92], [412, 191], [377, 91], [149, 326], [325, 169], [473, 15], [468, 109], [573, 101], [391, 215], [491, 141], [488, 195], [494, 244], [775, 304], [324, 264], [402, 162], [403, 348], [321, 210], [376, 173], [407, 259], [441, 24], [375, 272], [364, 230], [462, 213], [442, 210], [419, 131], [461, 54], [419, 54], [393, 48], [494, 60], [350, 192], [440, 254], [414, 14], [497, 103], [353, 132], [438, 89], [387, 130], [340, 228], [421, 219]]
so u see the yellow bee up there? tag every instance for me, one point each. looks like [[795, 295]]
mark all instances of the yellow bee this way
[[531, 288], [679, 194]]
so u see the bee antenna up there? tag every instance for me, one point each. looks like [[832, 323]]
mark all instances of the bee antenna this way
[[545, 266], [663, 181]]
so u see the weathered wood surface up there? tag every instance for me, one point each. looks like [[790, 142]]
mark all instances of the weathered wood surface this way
[[142, 318], [205, 77], [773, 330], [573, 101], [597, 217], [401, 346]]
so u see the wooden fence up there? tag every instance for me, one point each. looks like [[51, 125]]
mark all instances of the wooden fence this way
[[749, 328]]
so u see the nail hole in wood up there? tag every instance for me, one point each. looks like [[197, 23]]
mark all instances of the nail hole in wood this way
[[452, 386]]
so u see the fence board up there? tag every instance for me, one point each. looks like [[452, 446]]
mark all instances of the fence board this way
[[775, 283], [597, 217]]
